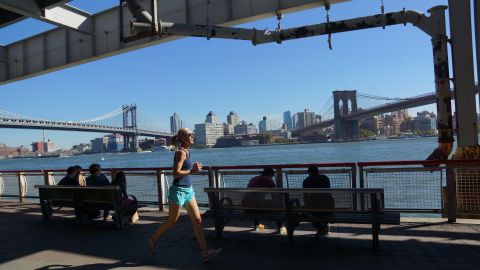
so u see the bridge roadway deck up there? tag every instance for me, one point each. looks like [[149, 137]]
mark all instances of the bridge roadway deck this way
[[29, 243]]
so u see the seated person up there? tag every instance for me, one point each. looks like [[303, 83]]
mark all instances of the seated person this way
[[318, 200], [78, 175], [121, 181], [130, 205], [265, 180], [96, 178], [69, 179]]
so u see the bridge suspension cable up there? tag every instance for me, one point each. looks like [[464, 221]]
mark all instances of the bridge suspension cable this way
[[326, 106], [6, 114], [364, 95], [104, 117]]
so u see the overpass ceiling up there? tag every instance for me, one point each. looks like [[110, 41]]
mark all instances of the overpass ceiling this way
[[34, 55], [12, 11]]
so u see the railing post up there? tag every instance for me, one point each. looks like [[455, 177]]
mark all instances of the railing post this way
[[160, 180], [211, 177], [113, 173], [279, 177], [362, 185], [21, 186], [47, 178], [451, 195], [354, 176], [218, 178]]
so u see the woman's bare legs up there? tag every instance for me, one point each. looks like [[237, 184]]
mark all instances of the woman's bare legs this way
[[173, 214], [194, 214]]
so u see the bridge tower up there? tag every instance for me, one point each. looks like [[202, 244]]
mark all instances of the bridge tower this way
[[345, 103], [130, 142]]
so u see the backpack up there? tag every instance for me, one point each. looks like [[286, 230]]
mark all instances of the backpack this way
[[130, 205]]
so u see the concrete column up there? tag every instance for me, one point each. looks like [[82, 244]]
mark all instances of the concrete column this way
[[462, 53]]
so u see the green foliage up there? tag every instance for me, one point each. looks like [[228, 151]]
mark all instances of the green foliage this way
[[430, 132], [365, 133]]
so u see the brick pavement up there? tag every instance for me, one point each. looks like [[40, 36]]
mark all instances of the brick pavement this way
[[27, 242]]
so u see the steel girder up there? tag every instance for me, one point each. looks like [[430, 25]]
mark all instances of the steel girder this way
[[61, 47], [12, 11]]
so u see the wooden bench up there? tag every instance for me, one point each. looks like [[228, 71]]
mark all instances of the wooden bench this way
[[292, 206], [104, 197]]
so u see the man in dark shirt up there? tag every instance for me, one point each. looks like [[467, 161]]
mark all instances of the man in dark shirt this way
[[96, 177], [318, 200], [265, 180], [69, 179]]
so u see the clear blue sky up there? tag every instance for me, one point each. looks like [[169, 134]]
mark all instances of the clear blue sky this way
[[193, 76]]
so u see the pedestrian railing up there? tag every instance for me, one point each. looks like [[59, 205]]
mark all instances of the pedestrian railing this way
[[451, 187]]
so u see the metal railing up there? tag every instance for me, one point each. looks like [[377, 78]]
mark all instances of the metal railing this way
[[450, 187]]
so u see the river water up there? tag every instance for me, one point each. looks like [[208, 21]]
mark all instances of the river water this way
[[377, 150]]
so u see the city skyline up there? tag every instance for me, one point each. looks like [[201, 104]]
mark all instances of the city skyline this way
[[321, 71]]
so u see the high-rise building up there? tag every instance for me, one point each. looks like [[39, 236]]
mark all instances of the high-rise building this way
[[99, 145], [374, 124], [175, 123], [228, 129], [233, 118], [305, 119], [211, 118], [245, 129], [287, 120], [48, 146], [37, 147], [115, 143], [425, 121], [267, 125], [208, 133]]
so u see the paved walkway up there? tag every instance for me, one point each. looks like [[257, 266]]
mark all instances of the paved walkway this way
[[27, 242]]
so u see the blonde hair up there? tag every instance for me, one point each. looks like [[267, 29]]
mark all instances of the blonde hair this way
[[181, 134]]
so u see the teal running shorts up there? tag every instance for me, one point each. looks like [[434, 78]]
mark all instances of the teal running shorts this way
[[180, 195]]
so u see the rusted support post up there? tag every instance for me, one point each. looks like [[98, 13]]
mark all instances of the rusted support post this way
[[442, 83], [211, 177], [160, 180], [279, 178], [451, 194], [21, 186]]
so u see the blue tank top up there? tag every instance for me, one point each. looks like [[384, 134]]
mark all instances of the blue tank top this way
[[186, 180]]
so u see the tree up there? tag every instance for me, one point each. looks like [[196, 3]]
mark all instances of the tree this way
[[365, 133]]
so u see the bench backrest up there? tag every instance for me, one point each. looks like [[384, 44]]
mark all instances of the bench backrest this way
[[70, 194], [312, 200]]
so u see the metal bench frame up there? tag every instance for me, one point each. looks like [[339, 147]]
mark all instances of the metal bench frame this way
[[291, 214], [104, 197]]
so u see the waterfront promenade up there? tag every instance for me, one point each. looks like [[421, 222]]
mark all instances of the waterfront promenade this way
[[27, 242]]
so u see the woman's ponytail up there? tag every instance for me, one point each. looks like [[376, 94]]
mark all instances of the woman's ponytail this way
[[175, 141]]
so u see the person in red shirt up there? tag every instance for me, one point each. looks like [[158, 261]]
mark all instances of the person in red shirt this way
[[265, 180]]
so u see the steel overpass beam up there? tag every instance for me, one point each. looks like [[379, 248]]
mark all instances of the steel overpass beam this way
[[60, 15], [68, 16], [58, 49]]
